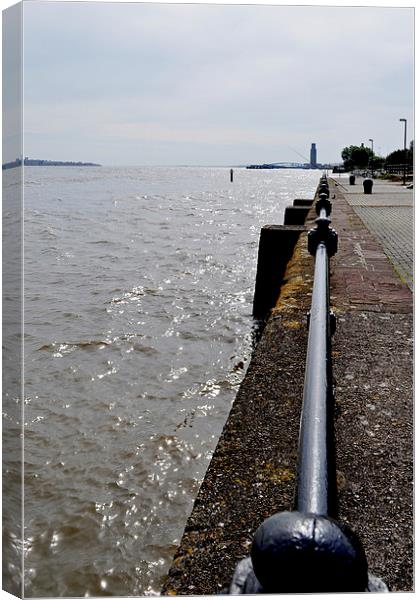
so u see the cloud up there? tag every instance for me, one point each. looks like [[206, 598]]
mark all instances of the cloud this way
[[213, 74]]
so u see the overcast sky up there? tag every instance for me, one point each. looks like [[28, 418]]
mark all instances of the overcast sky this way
[[141, 84]]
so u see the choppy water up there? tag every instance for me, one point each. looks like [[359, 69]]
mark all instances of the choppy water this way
[[138, 329]]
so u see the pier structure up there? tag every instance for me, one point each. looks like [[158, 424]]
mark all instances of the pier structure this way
[[253, 473]]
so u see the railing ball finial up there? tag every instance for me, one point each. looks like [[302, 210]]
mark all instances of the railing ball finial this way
[[323, 203], [324, 189], [323, 234], [296, 552]]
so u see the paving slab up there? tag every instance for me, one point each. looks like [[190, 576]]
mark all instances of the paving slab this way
[[388, 213]]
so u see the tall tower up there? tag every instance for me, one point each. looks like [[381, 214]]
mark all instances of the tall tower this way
[[313, 156]]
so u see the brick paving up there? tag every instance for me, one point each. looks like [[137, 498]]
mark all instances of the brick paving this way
[[388, 214], [393, 226]]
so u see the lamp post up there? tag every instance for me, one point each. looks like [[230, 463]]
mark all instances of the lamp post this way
[[371, 164], [405, 149]]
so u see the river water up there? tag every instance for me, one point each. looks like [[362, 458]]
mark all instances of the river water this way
[[138, 331]]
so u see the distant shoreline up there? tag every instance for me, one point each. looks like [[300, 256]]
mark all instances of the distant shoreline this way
[[35, 162]]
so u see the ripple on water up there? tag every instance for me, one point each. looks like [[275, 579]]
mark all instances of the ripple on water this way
[[138, 333], [133, 511]]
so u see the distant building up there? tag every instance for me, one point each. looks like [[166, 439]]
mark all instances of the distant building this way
[[313, 156]]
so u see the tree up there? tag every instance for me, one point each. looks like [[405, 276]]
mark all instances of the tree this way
[[378, 162], [398, 157], [356, 157]]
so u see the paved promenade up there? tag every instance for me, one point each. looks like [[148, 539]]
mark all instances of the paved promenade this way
[[252, 473], [373, 371], [388, 213]]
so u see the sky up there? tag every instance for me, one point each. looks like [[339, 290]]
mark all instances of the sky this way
[[166, 84]]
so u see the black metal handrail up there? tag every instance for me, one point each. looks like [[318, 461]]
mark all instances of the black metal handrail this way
[[307, 550], [398, 169], [316, 489]]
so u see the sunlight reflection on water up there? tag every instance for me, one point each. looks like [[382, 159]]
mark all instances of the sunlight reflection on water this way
[[138, 328]]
